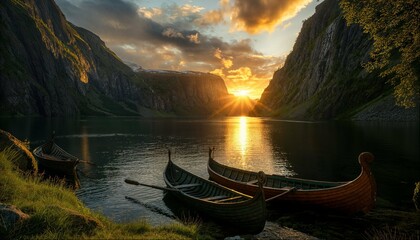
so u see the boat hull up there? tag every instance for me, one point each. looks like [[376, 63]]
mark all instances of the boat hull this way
[[244, 213], [357, 196], [58, 161]]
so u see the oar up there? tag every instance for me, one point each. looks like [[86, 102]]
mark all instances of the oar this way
[[151, 186], [281, 194]]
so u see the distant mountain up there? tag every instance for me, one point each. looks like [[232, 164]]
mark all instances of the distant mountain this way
[[134, 66], [50, 67], [323, 77], [184, 93]]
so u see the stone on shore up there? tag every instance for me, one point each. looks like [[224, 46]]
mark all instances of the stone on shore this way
[[9, 216], [24, 159]]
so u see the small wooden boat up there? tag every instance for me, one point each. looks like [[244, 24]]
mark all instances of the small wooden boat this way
[[54, 159], [245, 213], [356, 196]]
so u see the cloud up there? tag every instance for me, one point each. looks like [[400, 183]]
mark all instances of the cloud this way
[[167, 38], [194, 38], [254, 16], [226, 62], [172, 33], [149, 12], [210, 18], [240, 74]]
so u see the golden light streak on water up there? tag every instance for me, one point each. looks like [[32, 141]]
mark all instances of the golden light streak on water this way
[[247, 145], [242, 136], [85, 146]]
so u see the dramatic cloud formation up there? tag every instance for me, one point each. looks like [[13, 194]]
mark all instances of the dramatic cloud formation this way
[[168, 38], [254, 16]]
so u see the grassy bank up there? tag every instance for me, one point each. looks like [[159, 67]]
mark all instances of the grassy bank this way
[[56, 213]]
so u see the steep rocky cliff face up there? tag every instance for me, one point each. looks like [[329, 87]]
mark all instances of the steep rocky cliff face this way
[[323, 77], [184, 93], [50, 67]]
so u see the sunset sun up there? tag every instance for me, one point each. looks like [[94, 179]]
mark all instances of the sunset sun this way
[[241, 93]]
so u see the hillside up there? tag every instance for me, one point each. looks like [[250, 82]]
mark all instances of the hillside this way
[[323, 77], [184, 93], [49, 67]]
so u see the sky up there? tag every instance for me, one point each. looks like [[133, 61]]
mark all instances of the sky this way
[[242, 41]]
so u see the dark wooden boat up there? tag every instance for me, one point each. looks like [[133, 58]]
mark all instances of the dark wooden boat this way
[[245, 213], [54, 159], [356, 196]]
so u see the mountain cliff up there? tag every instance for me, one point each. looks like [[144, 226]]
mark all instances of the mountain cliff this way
[[50, 67], [323, 77], [184, 93]]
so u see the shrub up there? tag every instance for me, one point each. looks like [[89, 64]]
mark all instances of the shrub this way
[[416, 196]]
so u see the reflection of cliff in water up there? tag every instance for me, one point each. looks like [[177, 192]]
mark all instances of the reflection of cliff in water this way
[[329, 150]]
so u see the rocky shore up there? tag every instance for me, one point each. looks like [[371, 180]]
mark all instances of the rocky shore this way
[[386, 110]]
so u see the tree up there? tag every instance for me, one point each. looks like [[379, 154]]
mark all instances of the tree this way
[[394, 26]]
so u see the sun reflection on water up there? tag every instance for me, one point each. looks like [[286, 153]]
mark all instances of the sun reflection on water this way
[[248, 146], [243, 135], [85, 146]]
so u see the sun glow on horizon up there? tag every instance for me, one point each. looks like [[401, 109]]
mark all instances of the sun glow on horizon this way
[[241, 92]]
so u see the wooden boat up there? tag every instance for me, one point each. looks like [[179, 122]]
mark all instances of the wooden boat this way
[[245, 213], [54, 159], [356, 196]]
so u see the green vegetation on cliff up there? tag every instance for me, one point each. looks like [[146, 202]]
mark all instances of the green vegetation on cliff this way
[[324, 78], [394, 27], [50, 67]]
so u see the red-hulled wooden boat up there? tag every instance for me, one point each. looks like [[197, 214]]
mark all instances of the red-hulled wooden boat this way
[[356, 196]]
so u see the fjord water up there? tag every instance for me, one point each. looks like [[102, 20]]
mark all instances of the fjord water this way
[[136, 148]]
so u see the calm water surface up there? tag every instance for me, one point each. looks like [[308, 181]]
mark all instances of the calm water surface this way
[[136, 148]]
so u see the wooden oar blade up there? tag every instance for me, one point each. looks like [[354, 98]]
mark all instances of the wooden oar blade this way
[[129, 181]]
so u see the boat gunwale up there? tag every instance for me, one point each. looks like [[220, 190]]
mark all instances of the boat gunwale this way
[[344, 184], [247, 201]]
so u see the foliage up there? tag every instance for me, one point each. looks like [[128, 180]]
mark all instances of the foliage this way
[[56, 213], [394, 27], [416, 196]]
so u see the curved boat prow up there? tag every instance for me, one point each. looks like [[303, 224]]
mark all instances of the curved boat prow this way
[[169, 155], [365, 159]]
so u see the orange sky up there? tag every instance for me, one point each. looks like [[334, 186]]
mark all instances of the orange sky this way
[[242, 41]]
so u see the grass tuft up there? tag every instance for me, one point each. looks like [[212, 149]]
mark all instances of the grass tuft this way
[[390, 233]]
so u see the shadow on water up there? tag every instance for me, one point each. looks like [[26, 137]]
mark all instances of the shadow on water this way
[[188, 216]]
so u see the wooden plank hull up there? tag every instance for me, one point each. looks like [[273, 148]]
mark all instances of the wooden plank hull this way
[[357, 196], [56, 160], [247, 214]]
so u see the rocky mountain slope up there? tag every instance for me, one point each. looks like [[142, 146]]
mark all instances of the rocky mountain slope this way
[[184, 93], [50, 67], [323, 77]]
